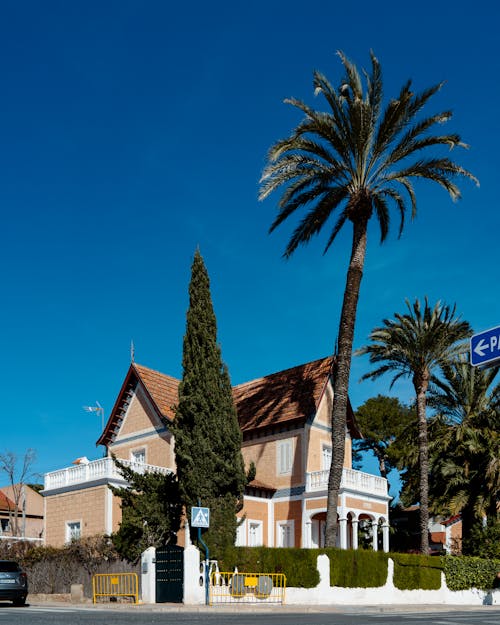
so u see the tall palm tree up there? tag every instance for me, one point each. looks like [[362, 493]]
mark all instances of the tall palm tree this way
[[357, 160], [466, 465], [417, 345]]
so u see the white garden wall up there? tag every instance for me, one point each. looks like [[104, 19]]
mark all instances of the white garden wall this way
[[324, 594]]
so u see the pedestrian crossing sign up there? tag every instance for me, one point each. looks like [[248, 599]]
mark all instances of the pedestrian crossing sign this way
[[200, 517]]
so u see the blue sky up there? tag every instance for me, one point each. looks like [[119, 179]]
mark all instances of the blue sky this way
[[132, 132]]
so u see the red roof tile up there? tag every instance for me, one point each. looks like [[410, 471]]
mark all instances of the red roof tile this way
[[162, 388], [283, 397]]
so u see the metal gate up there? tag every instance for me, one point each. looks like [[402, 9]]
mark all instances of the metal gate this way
[[169, 574]]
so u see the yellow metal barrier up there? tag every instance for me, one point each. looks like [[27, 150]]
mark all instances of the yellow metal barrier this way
[[247, 588], [116, 585]]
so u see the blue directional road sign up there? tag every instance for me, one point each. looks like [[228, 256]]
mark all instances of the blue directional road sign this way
[[485, 348], [200, 517]]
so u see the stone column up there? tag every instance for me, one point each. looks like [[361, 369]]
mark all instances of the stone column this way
[[375, 535], [354, 524], [343, 533], [385, 536]]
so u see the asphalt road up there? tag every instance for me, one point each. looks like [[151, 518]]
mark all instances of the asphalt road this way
[[76, 615]]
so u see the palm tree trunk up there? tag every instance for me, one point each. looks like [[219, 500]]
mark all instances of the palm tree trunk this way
[[342, 372], [423, 455]]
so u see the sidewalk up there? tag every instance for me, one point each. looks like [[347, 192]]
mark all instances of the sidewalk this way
[[46, 600]]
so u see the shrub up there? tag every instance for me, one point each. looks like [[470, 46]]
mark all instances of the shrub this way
[[483, 541], [299, 565], [357, 568], [412, 571], [463, 572], [53, 569]]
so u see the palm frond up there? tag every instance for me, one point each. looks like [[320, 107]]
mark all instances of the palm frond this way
[[313, 222], [383, 218]]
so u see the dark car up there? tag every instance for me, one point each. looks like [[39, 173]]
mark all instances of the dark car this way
[[13, 582]]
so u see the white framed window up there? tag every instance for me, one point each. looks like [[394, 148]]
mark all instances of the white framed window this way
[[255, 533], [4, 525], [138, 456], [285, 456], [73, 530], [241, 531], [326, 457], [285, 531]]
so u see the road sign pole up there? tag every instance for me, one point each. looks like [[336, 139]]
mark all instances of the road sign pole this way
[[207, 562], [207, 565]]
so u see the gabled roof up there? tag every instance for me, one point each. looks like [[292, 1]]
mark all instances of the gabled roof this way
[[285, 397], [6, 504], [161, 389]]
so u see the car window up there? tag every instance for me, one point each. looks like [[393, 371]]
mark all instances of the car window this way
[[9, 567]]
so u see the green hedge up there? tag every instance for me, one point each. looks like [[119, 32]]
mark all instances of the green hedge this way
[[363, 568], [464, 572], [299, 565], [412, 571], [357, 569]]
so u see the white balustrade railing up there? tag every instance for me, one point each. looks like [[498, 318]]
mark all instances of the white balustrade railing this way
[[103, 468], [351, 479]]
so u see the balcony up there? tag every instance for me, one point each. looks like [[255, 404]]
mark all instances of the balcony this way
[[103, 469], [357, 481]]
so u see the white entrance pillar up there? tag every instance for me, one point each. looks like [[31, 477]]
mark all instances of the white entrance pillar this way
[[343, 533], [375, 535]]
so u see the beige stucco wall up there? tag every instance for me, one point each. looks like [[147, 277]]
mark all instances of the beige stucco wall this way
[[263, 452], [363, 504], [254, 510], [158, 447], [87, 506], [289, 511], [319, 436], [139, 431]]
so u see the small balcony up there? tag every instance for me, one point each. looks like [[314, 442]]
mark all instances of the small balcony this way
[[103, 469], [357, 481]]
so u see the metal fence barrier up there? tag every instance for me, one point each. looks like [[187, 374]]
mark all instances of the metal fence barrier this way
[[116, 585], [239, 587]]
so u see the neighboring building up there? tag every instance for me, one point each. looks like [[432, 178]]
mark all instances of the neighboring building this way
[[285, 421], [28, 518], [445, 535]]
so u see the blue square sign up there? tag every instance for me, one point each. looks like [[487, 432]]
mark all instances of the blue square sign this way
[[200, 517]]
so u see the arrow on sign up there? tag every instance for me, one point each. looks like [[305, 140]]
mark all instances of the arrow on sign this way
[[485, 348], [481, 347]]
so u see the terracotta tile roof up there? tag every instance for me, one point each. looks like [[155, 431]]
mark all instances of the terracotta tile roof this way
[[162, 388], [284, 396], [260, 485], [6, 504]]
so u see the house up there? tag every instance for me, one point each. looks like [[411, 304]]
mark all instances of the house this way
[[445, 534], [285, 422], [24, 520]]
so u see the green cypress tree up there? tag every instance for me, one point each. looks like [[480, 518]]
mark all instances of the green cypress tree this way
[[208, 439]]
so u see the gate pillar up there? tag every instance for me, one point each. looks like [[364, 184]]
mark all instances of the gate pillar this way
[[148, 575]]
